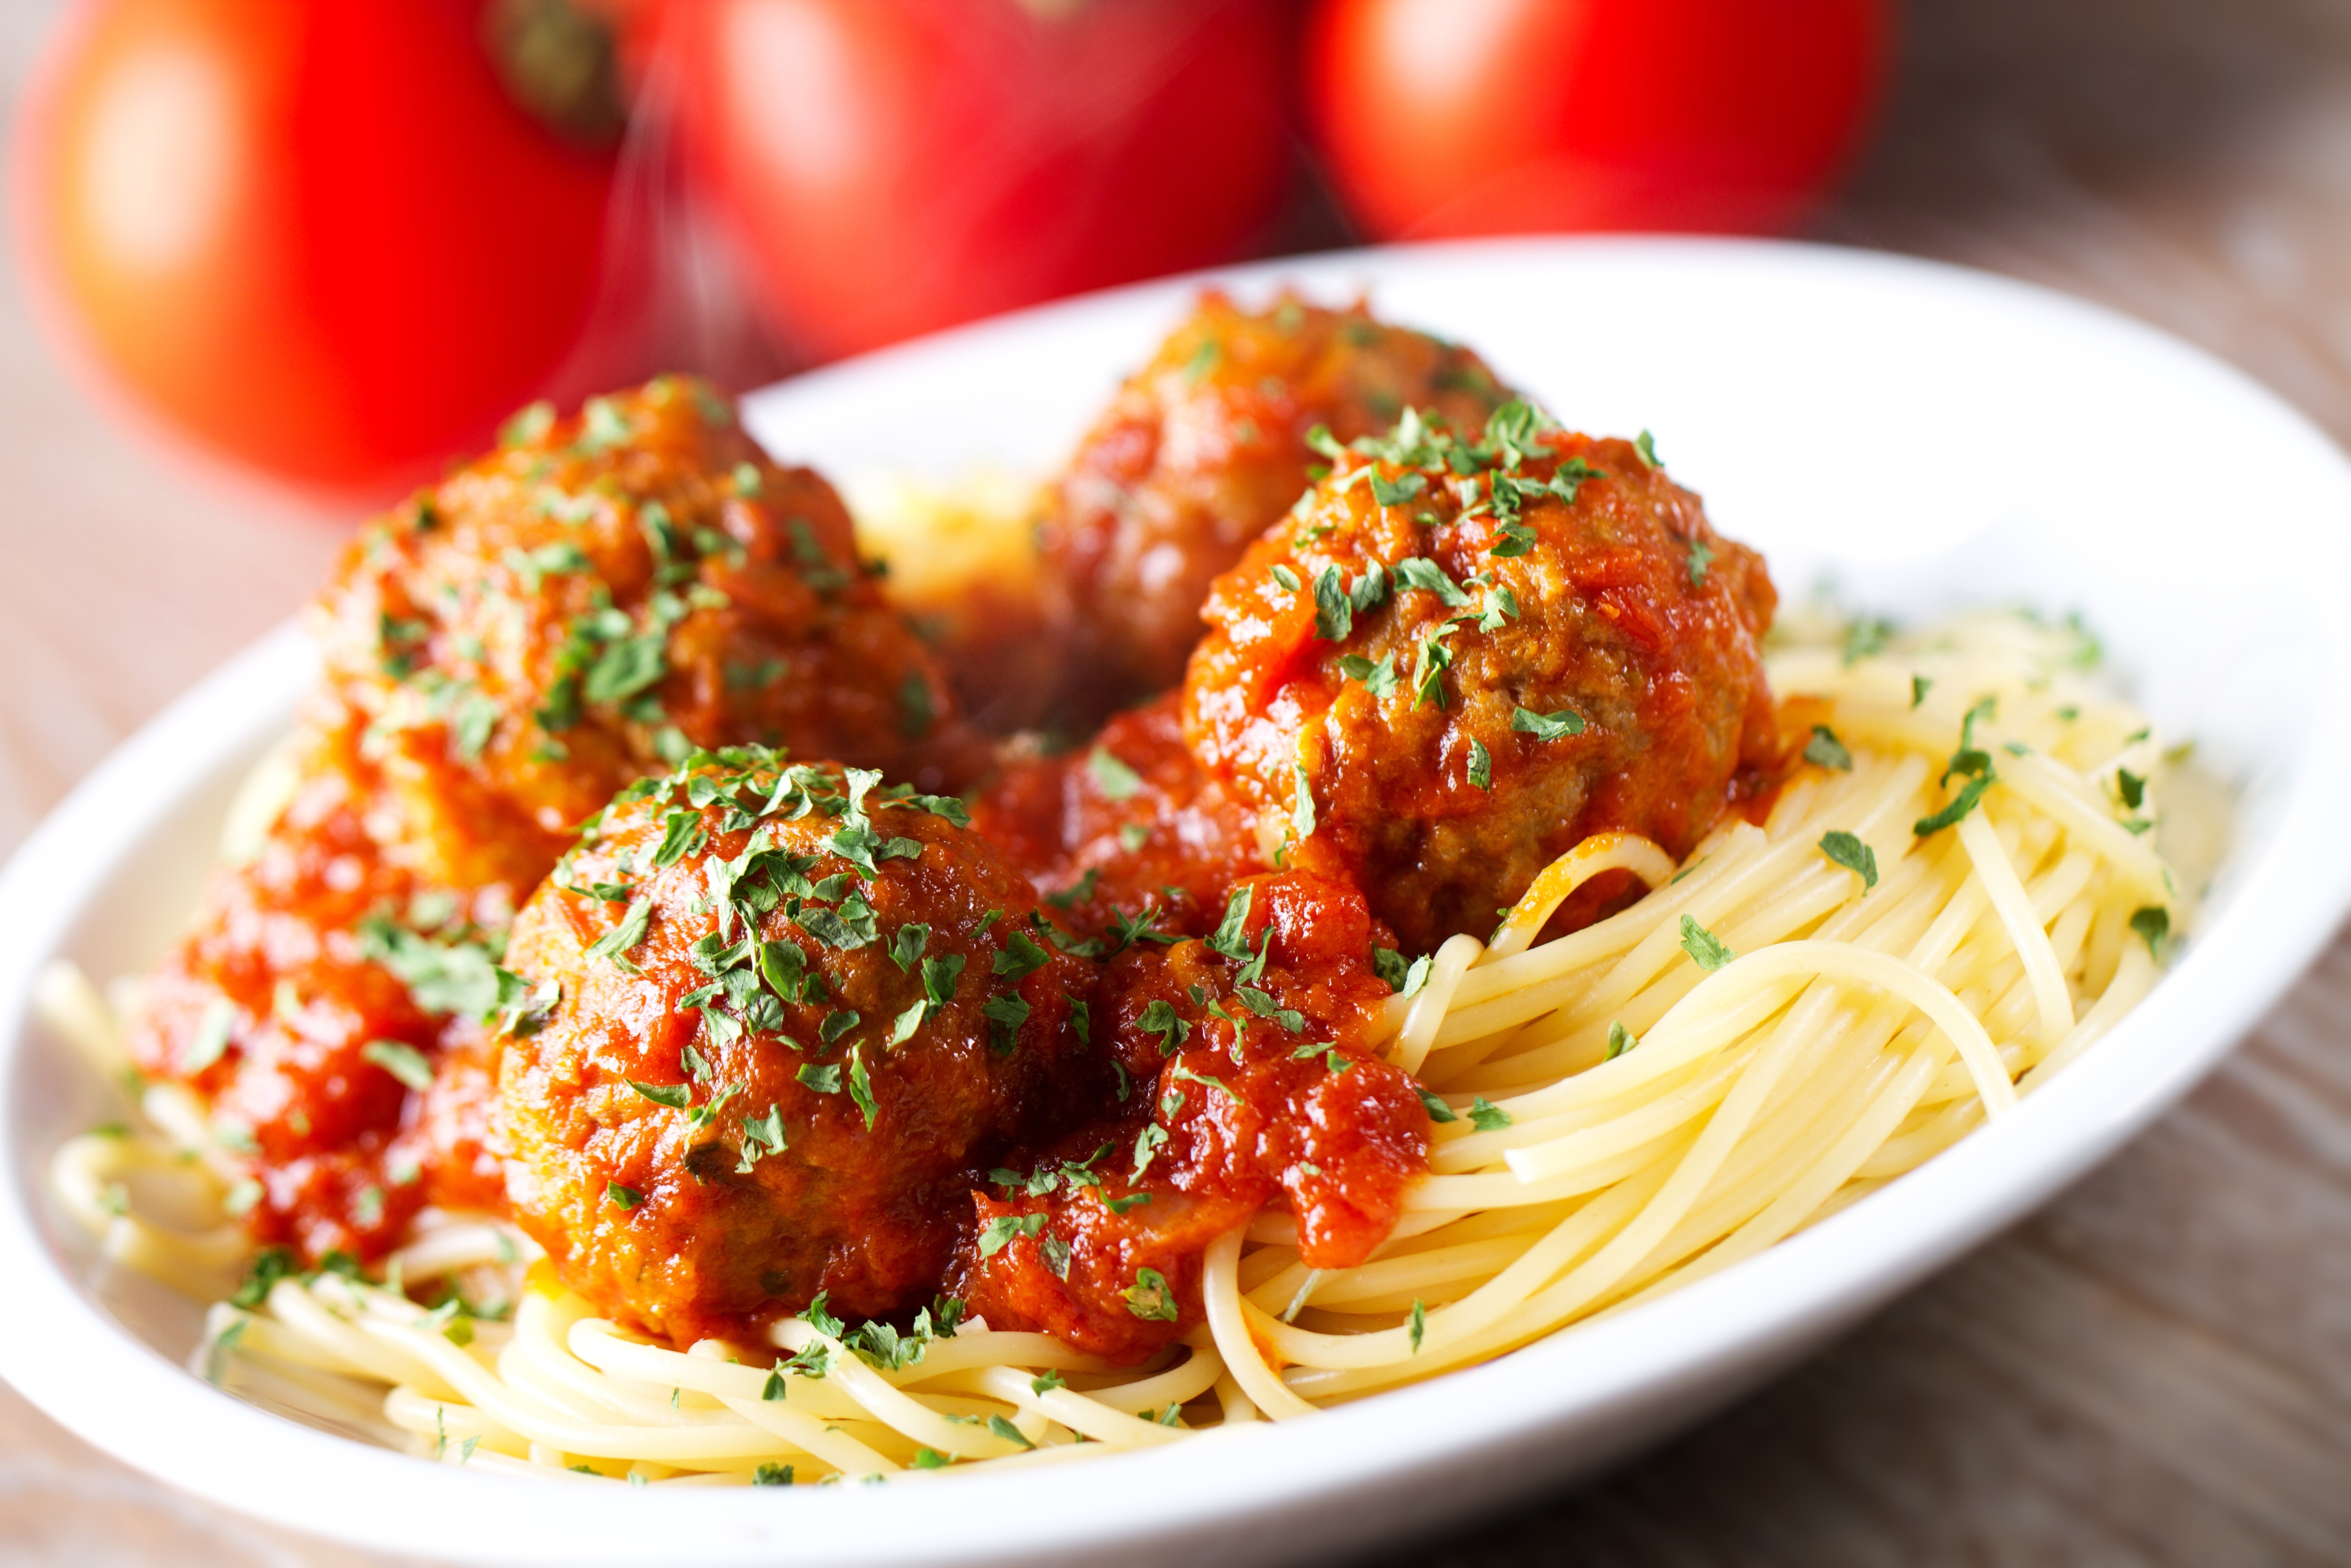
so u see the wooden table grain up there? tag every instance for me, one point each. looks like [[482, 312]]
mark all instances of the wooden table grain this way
[[2156, 1369]]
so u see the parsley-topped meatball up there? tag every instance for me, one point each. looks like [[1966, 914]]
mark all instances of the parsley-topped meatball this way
[[597, 597], [1201, 451], [782, 1017], [1459, 657]]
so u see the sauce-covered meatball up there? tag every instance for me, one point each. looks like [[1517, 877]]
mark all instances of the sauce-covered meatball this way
[[1459, 657], [593, 600], [1251, 1085], [1199, 452], [781, 1016]]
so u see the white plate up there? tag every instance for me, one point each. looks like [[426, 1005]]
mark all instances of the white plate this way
[[1935, 437]]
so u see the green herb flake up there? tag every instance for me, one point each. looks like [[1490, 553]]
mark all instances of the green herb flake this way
[[2153, 924], [1113, 778], [1285, 577], [1487, 1117], [622, 939], [1556, 726], [1825, 750], [622, 1197], [210, 1039], [677, 1096], [403, 1062], [1919, 686], [1150, 1299], [1701, 555], [1335, 612], [1705, 951], [1481, 766], [1847, 850], [1961, 804], [1438, 1111], [1420, 1313], [1019, 958], [1620, 1040]]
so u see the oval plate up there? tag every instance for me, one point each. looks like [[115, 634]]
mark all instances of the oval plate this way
[[1930, 437]]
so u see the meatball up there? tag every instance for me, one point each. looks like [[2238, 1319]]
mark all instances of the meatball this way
[[1198, 454], [595, 599], [288, 1003], [1256, 1086], [782, 1016], [1459, 657]]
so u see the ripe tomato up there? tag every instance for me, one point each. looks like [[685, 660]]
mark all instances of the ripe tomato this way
[[321, 240], [892, 166], [1468, 117]]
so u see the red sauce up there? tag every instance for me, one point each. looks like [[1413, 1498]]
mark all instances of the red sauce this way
[[1239, 1119]]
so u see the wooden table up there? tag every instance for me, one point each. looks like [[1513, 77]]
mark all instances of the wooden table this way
[[2156, 1369]]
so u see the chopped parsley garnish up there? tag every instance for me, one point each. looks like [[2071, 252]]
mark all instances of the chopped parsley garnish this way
[[762, 1136], [2153, 924], [622, 1197], [1864, 637], [681, 834], [1404, 979], [622, 939], [1335, 613], [1703, 948], [1517, 540], [1161, 1019], [860, 1087], [1920, 685], [1701, 555], [1150, 1299], [1847, 850], [1487, 1117], [1113, 778], [1481, 766], [1420, 1313], [1232, 936], [1961, 804], [1556, 726], [1019, 958], [1825, 750], [824, 1080], [1620, 1040], [1646, 445], [1419, 572], [2131, 787], [771, 1474], [1265, 1006], [677, 1096], [1001, 1230], [1396, 491], [1379, 680], [1005, 1015], [403, 1062], [1285, 577], [1438, 1111]]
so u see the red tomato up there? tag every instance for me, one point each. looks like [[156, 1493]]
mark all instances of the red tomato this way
[[1470, 117], [319, 239], [893, 166]]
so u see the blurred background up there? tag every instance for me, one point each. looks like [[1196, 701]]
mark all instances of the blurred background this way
[[268, 262]]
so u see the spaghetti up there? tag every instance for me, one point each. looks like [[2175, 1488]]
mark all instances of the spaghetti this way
[[1957, 897]]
